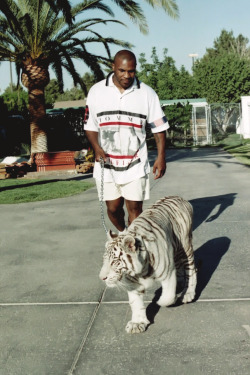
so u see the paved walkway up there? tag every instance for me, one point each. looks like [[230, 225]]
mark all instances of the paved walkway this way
[[57, 318]]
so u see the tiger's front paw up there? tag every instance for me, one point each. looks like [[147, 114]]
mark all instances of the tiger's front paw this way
[[188, 296], [133, 327]]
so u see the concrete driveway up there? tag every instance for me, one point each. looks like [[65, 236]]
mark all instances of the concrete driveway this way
[[57, 318]]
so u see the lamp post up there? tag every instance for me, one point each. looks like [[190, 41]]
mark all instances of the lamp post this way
[[193, 55]]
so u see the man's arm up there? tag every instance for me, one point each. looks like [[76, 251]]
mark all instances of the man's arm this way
[[160, 167], [93, 139]]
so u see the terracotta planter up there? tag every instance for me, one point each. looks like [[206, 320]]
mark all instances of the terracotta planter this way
[[53, 161]]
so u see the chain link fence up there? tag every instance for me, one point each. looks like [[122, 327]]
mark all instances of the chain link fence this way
[[208, 125], [224, 119]]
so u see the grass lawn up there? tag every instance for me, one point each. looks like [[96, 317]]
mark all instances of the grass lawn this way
[[238, 147], [20, 191]]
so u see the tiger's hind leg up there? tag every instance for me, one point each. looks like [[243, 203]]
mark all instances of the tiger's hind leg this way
[[168, 295], [188, 293]]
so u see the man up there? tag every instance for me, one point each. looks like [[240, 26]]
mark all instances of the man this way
[[117, 112]]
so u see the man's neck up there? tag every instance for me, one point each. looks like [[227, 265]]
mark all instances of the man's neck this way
[[120, 88]]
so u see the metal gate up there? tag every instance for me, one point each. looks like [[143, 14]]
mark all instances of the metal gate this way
[[200, 125]]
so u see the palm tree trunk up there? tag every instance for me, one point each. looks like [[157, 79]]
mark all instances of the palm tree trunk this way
[[38, 131], [35, 76]]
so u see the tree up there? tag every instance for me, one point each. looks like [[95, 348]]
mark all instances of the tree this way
[[222, 77], [184, 87], [75, 93], [148, 72], [229, 44], [164, 77], [169, 83], [16, 100], [179, 115], [167, 78], [35, 36], [53, 94], [89, 80]]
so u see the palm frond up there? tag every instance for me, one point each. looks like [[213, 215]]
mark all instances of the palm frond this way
[[64, 6], [169, 6], [83, 26], [11, 11], [92, 5], [57, 68], [105, 42], [135, 12], [91, 61], [74, 74]]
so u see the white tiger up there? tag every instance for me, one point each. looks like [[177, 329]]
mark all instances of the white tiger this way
[[156, 247]]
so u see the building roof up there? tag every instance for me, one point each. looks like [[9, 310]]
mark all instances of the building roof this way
[[194, 102], [61, 107], [70, 104]]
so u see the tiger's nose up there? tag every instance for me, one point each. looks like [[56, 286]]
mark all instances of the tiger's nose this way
[[102, 276]]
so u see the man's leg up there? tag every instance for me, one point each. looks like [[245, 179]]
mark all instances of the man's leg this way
[[116, 213], [134, 209]]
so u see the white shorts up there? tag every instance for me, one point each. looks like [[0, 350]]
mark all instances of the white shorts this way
[[137, 190]]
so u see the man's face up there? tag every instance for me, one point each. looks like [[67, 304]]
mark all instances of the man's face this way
[[124, 72]]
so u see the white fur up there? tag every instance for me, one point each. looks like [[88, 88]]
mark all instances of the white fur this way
[[144, 255]]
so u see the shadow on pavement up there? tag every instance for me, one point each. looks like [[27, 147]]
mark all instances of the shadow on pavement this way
[[203, 207], [207, 259], [203, 154]]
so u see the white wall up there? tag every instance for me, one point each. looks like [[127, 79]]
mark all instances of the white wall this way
[[244, 127]]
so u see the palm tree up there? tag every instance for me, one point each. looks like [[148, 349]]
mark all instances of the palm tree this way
[[37, 36]]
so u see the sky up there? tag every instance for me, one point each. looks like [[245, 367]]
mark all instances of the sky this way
[[199, 24]]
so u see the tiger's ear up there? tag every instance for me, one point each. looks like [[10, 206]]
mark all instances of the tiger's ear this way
[[129, 243], [111, 235]]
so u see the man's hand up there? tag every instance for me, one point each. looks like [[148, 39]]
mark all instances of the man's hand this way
[[99, 154], [93, 139], [159, 168]]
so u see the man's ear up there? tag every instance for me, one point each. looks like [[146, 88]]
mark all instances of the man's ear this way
[[111, 235], [113, 67], [129, 243]]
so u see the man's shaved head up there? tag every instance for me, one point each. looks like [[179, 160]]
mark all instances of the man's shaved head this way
[[124, 68], [125, 54]]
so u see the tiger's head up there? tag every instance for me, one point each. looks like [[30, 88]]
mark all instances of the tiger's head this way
[[123, 259]]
